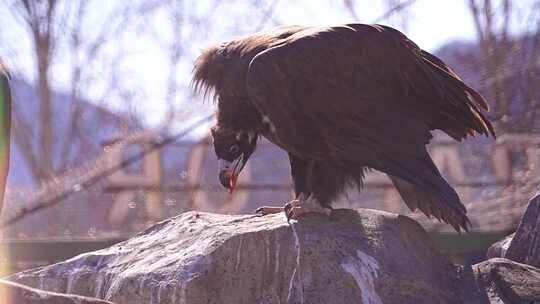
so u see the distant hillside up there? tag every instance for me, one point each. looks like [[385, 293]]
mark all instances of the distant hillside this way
[[95, 125], [463, 58], [84, 210], [510, 86]]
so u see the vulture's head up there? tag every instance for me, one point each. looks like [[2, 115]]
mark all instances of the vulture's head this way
[[222, 70], [233, 149]]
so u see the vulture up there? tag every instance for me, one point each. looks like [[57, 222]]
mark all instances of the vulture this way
[[5, 124], [341, 101]]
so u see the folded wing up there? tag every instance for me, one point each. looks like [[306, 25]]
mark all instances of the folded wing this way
[[366, 94]]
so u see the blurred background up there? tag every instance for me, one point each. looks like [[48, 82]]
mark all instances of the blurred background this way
[[97, 84]]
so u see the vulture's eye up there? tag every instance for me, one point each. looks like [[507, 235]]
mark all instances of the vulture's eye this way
[[234, 149]]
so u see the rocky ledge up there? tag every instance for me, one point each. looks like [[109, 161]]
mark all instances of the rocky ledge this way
[[13, 293], [354, 256]]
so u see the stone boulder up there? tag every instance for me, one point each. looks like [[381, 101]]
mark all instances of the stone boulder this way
[[499, 249], [13, 293], [506, 281], [353, 256], [522, 246], [525, 245]]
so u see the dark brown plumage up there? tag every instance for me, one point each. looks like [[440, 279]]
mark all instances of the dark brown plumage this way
[[341, 100]]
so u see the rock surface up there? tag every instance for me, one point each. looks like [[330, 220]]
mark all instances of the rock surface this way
[[513, 277], [355, 256], [525, 245], [499, 249], [506, 281], [13, 293]]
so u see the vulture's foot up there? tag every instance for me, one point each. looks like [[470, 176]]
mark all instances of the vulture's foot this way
[[265, 210], [301, 206], [296, 208]]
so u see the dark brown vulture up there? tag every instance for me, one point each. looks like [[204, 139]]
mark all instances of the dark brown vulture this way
[[5, 123], [340, 100]]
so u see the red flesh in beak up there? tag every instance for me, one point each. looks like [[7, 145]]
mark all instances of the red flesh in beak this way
[[229, 172], [232, 182]]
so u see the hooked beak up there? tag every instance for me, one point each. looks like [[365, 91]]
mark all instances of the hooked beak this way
[[228, 172]]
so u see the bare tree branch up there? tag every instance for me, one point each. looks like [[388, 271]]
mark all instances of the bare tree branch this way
[[394, 10], [351, 8], [90, 177], [509, 64], [267, 15], [54, 24]]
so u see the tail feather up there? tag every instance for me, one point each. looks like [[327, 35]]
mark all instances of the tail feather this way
[[430, 205], [458, 102], [421, 186], [461, 96]]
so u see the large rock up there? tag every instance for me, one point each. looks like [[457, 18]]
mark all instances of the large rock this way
[[355, 256], [499, 249], [506, 281], [362, 256], [13, 293], [525, 245]]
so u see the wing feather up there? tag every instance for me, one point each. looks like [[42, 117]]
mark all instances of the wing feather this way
[[368, 95]]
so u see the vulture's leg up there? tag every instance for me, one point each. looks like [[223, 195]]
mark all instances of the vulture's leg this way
[[305, 204], [316, 184], [299, 173], [305, 201]]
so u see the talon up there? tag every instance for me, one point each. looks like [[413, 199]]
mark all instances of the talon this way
[[288, 213], [265, 210], [291, 214], [294, 209], [287, 209], [298, 211], [291, 204]]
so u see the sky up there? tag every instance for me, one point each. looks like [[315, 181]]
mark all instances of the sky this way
[[429, 23]]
